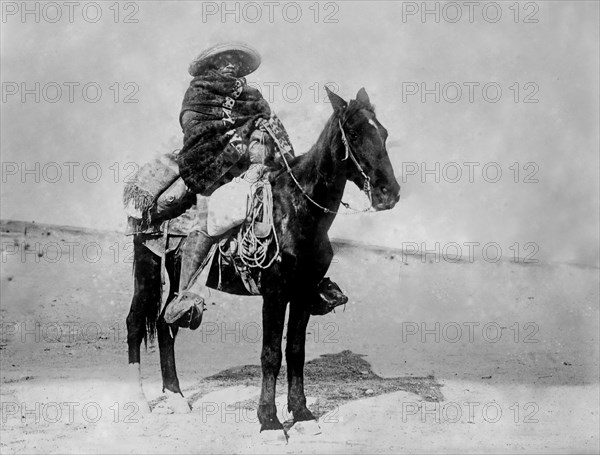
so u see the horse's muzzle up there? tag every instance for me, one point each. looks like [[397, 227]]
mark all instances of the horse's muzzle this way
[[385, 198]]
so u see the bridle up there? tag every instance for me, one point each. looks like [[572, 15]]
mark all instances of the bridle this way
[[367, 188], [367, 180]]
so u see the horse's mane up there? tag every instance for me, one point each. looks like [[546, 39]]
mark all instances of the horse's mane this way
[[325, 138], [303, 163]]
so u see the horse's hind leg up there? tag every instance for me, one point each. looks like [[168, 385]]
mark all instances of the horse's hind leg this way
[[175, 401], [143, 311], [166, 345]]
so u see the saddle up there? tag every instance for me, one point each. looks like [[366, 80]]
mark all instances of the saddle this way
[[241, 213]]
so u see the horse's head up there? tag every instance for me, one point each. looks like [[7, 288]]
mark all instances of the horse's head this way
[[369, 165]]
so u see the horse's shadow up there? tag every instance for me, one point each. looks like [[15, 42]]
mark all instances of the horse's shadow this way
[[333, 379]]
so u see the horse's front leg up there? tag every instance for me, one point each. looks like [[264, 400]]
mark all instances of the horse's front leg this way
[[304, 420], [273, 315], [294, 353]]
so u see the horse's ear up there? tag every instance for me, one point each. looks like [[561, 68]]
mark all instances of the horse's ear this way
[[337, 102], [363, 97]]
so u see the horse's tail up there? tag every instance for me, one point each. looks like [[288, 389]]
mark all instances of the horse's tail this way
[[148, 295], [151, 313]]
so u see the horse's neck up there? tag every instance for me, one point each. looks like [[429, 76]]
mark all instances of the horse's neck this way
[[321, 173]]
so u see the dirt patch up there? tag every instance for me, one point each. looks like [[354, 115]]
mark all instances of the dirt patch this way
[[334, 378]]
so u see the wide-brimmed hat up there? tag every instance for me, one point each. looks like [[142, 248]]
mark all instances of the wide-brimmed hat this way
[[247, 56]]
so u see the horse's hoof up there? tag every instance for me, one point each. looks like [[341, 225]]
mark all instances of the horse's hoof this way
[[134, 391], [305, 428], [174, 404], [137, 397], [162, 408], [142, 406], [273, 437], [178, 403]]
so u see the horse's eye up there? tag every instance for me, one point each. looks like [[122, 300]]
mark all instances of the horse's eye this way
[[353, 135]]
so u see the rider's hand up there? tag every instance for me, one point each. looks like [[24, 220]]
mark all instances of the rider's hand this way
[[257, 148]]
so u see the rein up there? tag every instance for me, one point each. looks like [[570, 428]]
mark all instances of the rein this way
[[366, 185]]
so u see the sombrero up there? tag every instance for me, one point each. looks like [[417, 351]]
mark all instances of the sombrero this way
[[248, 57]]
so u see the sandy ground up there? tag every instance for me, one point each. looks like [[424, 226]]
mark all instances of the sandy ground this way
[[428, 357]]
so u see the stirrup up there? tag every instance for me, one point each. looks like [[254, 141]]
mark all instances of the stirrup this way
[[185, 311], [329, 296]]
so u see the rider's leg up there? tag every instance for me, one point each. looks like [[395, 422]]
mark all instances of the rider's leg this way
[[198, 245], [194, 251]]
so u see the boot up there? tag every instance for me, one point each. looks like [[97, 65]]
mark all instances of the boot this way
[[186, 310]]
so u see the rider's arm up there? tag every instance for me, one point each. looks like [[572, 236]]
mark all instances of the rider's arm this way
[[264, 149]]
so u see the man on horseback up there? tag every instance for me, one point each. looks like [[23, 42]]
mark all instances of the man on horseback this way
[[225, 124]]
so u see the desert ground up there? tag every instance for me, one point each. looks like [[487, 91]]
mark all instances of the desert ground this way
[[428, 356]]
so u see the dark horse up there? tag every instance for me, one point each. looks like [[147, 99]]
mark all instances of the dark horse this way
[[306, 198]]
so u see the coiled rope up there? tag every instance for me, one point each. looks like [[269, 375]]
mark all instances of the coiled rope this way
[[253, 250]]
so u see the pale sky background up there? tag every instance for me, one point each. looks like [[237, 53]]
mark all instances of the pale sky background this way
[[369, 46]]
